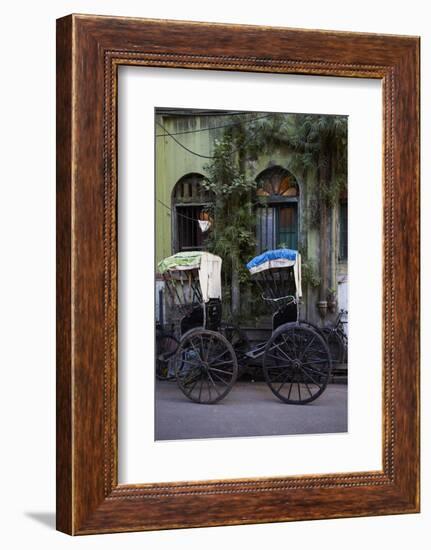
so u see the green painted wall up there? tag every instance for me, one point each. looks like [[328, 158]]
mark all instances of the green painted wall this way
[[173, 162]]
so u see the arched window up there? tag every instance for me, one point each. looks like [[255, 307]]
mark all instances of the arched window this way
[[277, 212], [189, 203]]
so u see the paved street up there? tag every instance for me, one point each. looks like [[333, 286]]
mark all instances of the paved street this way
[[250, 409]]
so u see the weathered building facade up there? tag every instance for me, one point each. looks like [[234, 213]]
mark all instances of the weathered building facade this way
[[283, 200]]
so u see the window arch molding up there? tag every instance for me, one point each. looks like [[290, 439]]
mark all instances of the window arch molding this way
[[189, 200], [277, 184], [277, 209], [189, 190]]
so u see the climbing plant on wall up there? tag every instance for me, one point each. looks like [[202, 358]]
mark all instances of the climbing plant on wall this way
[[316, 143], [233, 233], [320, 141]]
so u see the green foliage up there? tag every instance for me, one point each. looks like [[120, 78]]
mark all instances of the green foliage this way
[[318, 146], [319, 142], [310, 273], [233, 232]]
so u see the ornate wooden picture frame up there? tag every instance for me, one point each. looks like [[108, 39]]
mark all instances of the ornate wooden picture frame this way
[[89, 51]]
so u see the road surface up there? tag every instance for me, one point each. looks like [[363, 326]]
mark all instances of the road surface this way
[[250, 409]]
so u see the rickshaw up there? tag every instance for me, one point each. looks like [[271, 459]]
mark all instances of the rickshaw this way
[[295, 359]]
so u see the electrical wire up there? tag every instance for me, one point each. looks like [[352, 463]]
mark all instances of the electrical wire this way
[[214, 127], [178, 213], [212, 157], [253, 203], [183, 146]]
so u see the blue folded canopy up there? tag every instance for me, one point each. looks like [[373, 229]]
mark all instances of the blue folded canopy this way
[[278, 254]]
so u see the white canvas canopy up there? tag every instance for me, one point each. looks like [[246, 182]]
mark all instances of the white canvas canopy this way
[[209, 266]]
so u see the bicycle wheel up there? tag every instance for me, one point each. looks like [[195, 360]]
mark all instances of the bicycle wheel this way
[[166, 346], [335, 344]]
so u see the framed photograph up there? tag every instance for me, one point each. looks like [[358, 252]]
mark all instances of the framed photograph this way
[[237, 274]]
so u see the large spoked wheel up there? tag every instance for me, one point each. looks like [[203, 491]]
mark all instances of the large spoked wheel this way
[[297, 364], [205, 366]]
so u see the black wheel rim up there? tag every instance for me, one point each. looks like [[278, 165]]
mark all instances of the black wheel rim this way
[[297, 364], [205, 366]]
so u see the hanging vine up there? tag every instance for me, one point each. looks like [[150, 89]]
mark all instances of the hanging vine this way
[[233, 233], [318, 148]]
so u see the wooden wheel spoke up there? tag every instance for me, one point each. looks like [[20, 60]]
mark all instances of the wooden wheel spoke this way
[[213, 369], [293, 341], [277, 358], [222, 380], [209, 347], [315, 362], [192, 363], [308, 375], [202, 347], [290, 345], [209, 388], [189, 377], [190, 391], [307, 346], [213, 383], [309, 391], [318, 354], [217, 365], [283, 352], [310, 368], [279, 375], [185, 375], [280, 366], [214, 359], [196, 350], [290, 390], [285, 379]]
